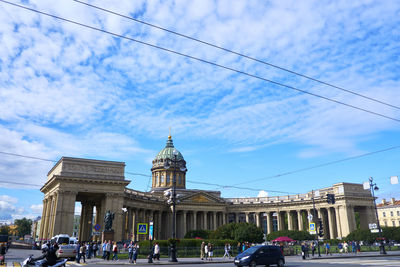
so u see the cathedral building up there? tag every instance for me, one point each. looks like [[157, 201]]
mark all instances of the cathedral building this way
[[100, 186]]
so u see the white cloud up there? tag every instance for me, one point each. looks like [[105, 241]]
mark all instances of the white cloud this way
[[262, 193], [8, 209]]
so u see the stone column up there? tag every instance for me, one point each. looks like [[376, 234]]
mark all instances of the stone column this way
[[300, 220], [205, 220], [270, 223], [347, 219], [324, 223], [279, 220], [85, 226], [194, 220], [223, 218], [257, 218], [44, 217], [338, 222], [247, 217], [214, 213], [237, 217], [331, 219], [159, 222], [64, 213], [53, 215], [290, 220], [135, 217], [184, 229], [129, 232]]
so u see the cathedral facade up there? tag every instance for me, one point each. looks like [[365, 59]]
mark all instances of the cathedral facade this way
[[100, 186]]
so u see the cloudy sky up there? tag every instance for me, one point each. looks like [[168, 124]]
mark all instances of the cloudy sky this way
[[66, 90]]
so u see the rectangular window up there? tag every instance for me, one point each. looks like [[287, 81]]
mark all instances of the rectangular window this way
[[393, 223], [398, 213], [385, 223], [167, 178], [384, 214], [391, 214], [162, 178]]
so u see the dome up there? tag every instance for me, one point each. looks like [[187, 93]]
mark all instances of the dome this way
[[168, 152]]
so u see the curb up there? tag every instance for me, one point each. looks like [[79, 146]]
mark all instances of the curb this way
[[355, 256], [160, 262]]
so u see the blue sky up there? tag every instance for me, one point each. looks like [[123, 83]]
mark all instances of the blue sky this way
[[70, 91]]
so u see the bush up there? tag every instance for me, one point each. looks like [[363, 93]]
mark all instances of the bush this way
[[293, 234], [198, 233]]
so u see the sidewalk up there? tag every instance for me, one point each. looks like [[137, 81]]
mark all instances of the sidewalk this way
[[162, 261], [353, 255]]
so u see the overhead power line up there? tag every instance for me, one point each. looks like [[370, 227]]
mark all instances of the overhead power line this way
[[202, 60], [318, 166], [236, 53]]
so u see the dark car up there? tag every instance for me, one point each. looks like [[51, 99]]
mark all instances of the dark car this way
[[260, 255]]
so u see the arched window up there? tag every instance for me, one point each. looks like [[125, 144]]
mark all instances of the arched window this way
[[179, 178], [167, 178]]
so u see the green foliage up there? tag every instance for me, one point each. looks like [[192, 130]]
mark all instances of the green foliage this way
[[4, 230], [389, 233], [23, 226], [187, 242], [249, 232], [198, 233], [240, 232], [226, 231], [293, 234]]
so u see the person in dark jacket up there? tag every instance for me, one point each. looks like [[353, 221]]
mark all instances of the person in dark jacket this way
[[49, 255]]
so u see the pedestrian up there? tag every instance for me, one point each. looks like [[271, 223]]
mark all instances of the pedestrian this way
[[78, 252], [227, 249], [202, 250], [89, 250], [115, 251], [340, 247], [82, 251], [157, 251], [135, 251], [354, 247], [130, 252], [303, 251], [210, 251], [3, 249], [108, 249], [95, 248], [328, 249], [104, 249], [346, 247], [358, 247], [239, 248], [313, 249]]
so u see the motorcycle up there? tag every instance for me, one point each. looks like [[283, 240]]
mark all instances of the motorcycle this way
[[29, 262]]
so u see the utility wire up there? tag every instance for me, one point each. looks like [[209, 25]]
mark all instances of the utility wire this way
[[201, 60], [236, 53], [235, 186], [319, 165]]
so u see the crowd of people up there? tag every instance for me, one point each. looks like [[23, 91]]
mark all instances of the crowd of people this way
[[342, 247]]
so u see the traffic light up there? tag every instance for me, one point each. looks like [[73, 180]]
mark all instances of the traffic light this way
[[330, 198], [321, 228]]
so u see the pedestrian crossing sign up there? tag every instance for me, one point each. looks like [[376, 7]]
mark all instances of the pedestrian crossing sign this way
[[312, 228], [142, 228]]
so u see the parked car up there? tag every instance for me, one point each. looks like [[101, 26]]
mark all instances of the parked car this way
[[260, 255], [65, 249]]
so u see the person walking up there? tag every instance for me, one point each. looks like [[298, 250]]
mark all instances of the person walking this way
[[346, 247], [156, 251], [202, 250], [104, 249], [108, 249], [239, 248], [340, 247], [206, 251], [130, 252], [227, 249], [115, 251], [95, 248], [78, 252], [82, 251], [135, 251], [313, 249], [210, 251], [303, 251]]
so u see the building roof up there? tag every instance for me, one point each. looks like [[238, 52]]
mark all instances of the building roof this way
[[169, 151]]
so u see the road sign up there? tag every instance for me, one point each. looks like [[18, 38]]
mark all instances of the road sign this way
[[309, 217], [374, 230], [312, 227], [97, 227], [151, 231], [96, 233], [372, 226], [142, 228]]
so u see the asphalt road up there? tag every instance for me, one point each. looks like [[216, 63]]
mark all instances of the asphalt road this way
[[14, 256]]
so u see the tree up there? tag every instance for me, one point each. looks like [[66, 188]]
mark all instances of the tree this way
[[4, 230], [24, 226], [249, 232], [226, 231]]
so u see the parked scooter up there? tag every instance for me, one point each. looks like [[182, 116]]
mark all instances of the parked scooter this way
[[29, 262]]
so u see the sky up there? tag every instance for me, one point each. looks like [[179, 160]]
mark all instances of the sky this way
[[66, 90]]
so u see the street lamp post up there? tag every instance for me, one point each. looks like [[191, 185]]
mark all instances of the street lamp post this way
[[313, 202], [172, 248], [265, 215], [373, 187]]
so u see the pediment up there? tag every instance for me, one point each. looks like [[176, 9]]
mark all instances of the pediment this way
[[201, 197]]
